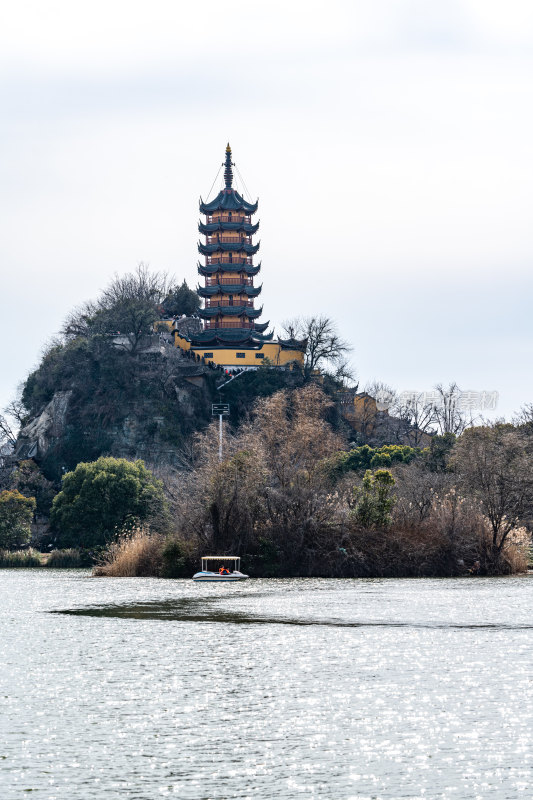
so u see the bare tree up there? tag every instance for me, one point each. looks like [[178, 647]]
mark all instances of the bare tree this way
[[417, 417], [129, 306], [418, 492], [82, 321], [384, 395], [325, 350], [17, 410], [524, 419], [449, 415], [8, 434], [494, 462]]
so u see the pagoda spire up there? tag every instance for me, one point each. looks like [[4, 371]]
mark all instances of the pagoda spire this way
[[228, 172]]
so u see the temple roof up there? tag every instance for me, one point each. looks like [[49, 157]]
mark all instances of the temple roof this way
[[228, 199], [293, 344], [241, 247], [234, 288], [230, 311], [235, 266], [211, 227], [262, 326], [232, 336]]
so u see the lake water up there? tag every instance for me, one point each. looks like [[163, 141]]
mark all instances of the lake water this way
[[337, 689]]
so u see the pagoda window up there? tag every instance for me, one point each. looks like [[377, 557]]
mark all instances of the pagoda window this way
[[240, 355], [259, 355]]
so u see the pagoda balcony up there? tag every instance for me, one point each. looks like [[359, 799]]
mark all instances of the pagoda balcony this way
[[228, 240], [211, 260], [229, 282], [229, 218], [210, 326], [229, 303]]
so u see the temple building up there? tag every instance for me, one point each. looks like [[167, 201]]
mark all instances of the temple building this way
[[230, 335]]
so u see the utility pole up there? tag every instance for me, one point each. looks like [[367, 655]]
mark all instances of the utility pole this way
[[220, 410]]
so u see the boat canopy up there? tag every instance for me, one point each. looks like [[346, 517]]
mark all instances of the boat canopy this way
[[221, 560]]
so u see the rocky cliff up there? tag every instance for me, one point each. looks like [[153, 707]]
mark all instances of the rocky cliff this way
[[138, 406]]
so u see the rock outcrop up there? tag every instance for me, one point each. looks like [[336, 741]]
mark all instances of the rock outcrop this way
[[39, 435]]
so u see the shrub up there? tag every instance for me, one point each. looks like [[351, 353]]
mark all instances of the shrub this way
[[134, 555], [145, 554], [380, 460], [64, 559], [174, 557], [20, 558], [373, 500], [30, 481], [16, 514], [102, 498], [366, 457]]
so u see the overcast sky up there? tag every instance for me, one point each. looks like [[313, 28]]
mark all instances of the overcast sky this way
[[389, 143]]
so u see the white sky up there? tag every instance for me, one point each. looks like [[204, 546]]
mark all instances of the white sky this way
[[389, 143]]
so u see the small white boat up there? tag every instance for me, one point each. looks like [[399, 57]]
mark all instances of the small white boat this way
[[220, 572]]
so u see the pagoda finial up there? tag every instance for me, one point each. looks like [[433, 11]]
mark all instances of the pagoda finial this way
[[228, 172]]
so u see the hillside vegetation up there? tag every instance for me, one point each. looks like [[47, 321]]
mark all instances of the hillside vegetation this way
[[279, 499], [110, 384], [118, 451]]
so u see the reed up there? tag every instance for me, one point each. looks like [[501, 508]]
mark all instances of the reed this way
[[137, 554], [64, 559], [20, 559]]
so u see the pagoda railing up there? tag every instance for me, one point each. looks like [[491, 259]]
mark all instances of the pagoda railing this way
[[229, 282], [228, 303], [226, 260], [226, 218], [209, 326], [228, 240]]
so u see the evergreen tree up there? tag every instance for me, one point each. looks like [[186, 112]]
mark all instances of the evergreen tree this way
[[102, 498], [16, 514], [373, 500]]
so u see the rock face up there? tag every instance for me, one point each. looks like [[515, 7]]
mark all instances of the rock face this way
[[165, 396], [36, 438]]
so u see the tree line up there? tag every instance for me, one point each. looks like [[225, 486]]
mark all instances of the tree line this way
[[291, 500]]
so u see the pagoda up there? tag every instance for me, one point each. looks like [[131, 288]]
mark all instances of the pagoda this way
[[231, 335]]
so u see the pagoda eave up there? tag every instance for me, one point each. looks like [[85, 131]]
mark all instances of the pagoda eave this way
[[229, 311], [232, 247], [228, 200], [212, 227], [238, 288], [207, 270], [235, 336], [262, 326]]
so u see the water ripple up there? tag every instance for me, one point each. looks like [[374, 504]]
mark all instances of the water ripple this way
[[273, 689]]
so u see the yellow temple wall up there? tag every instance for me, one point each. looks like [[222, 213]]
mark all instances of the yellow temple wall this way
[[227, 356], [164, 324]]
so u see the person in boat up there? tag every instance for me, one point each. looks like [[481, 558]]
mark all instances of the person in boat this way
[[223, 570]]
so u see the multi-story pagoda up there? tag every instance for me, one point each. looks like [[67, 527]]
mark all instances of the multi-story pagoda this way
[[229, 272], [231, 335]]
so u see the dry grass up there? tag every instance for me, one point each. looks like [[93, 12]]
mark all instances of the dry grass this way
[[515, 554], [138, 554], [20, 558], [64, 559]]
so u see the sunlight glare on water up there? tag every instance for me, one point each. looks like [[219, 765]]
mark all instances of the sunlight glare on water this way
[[304, 688]]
